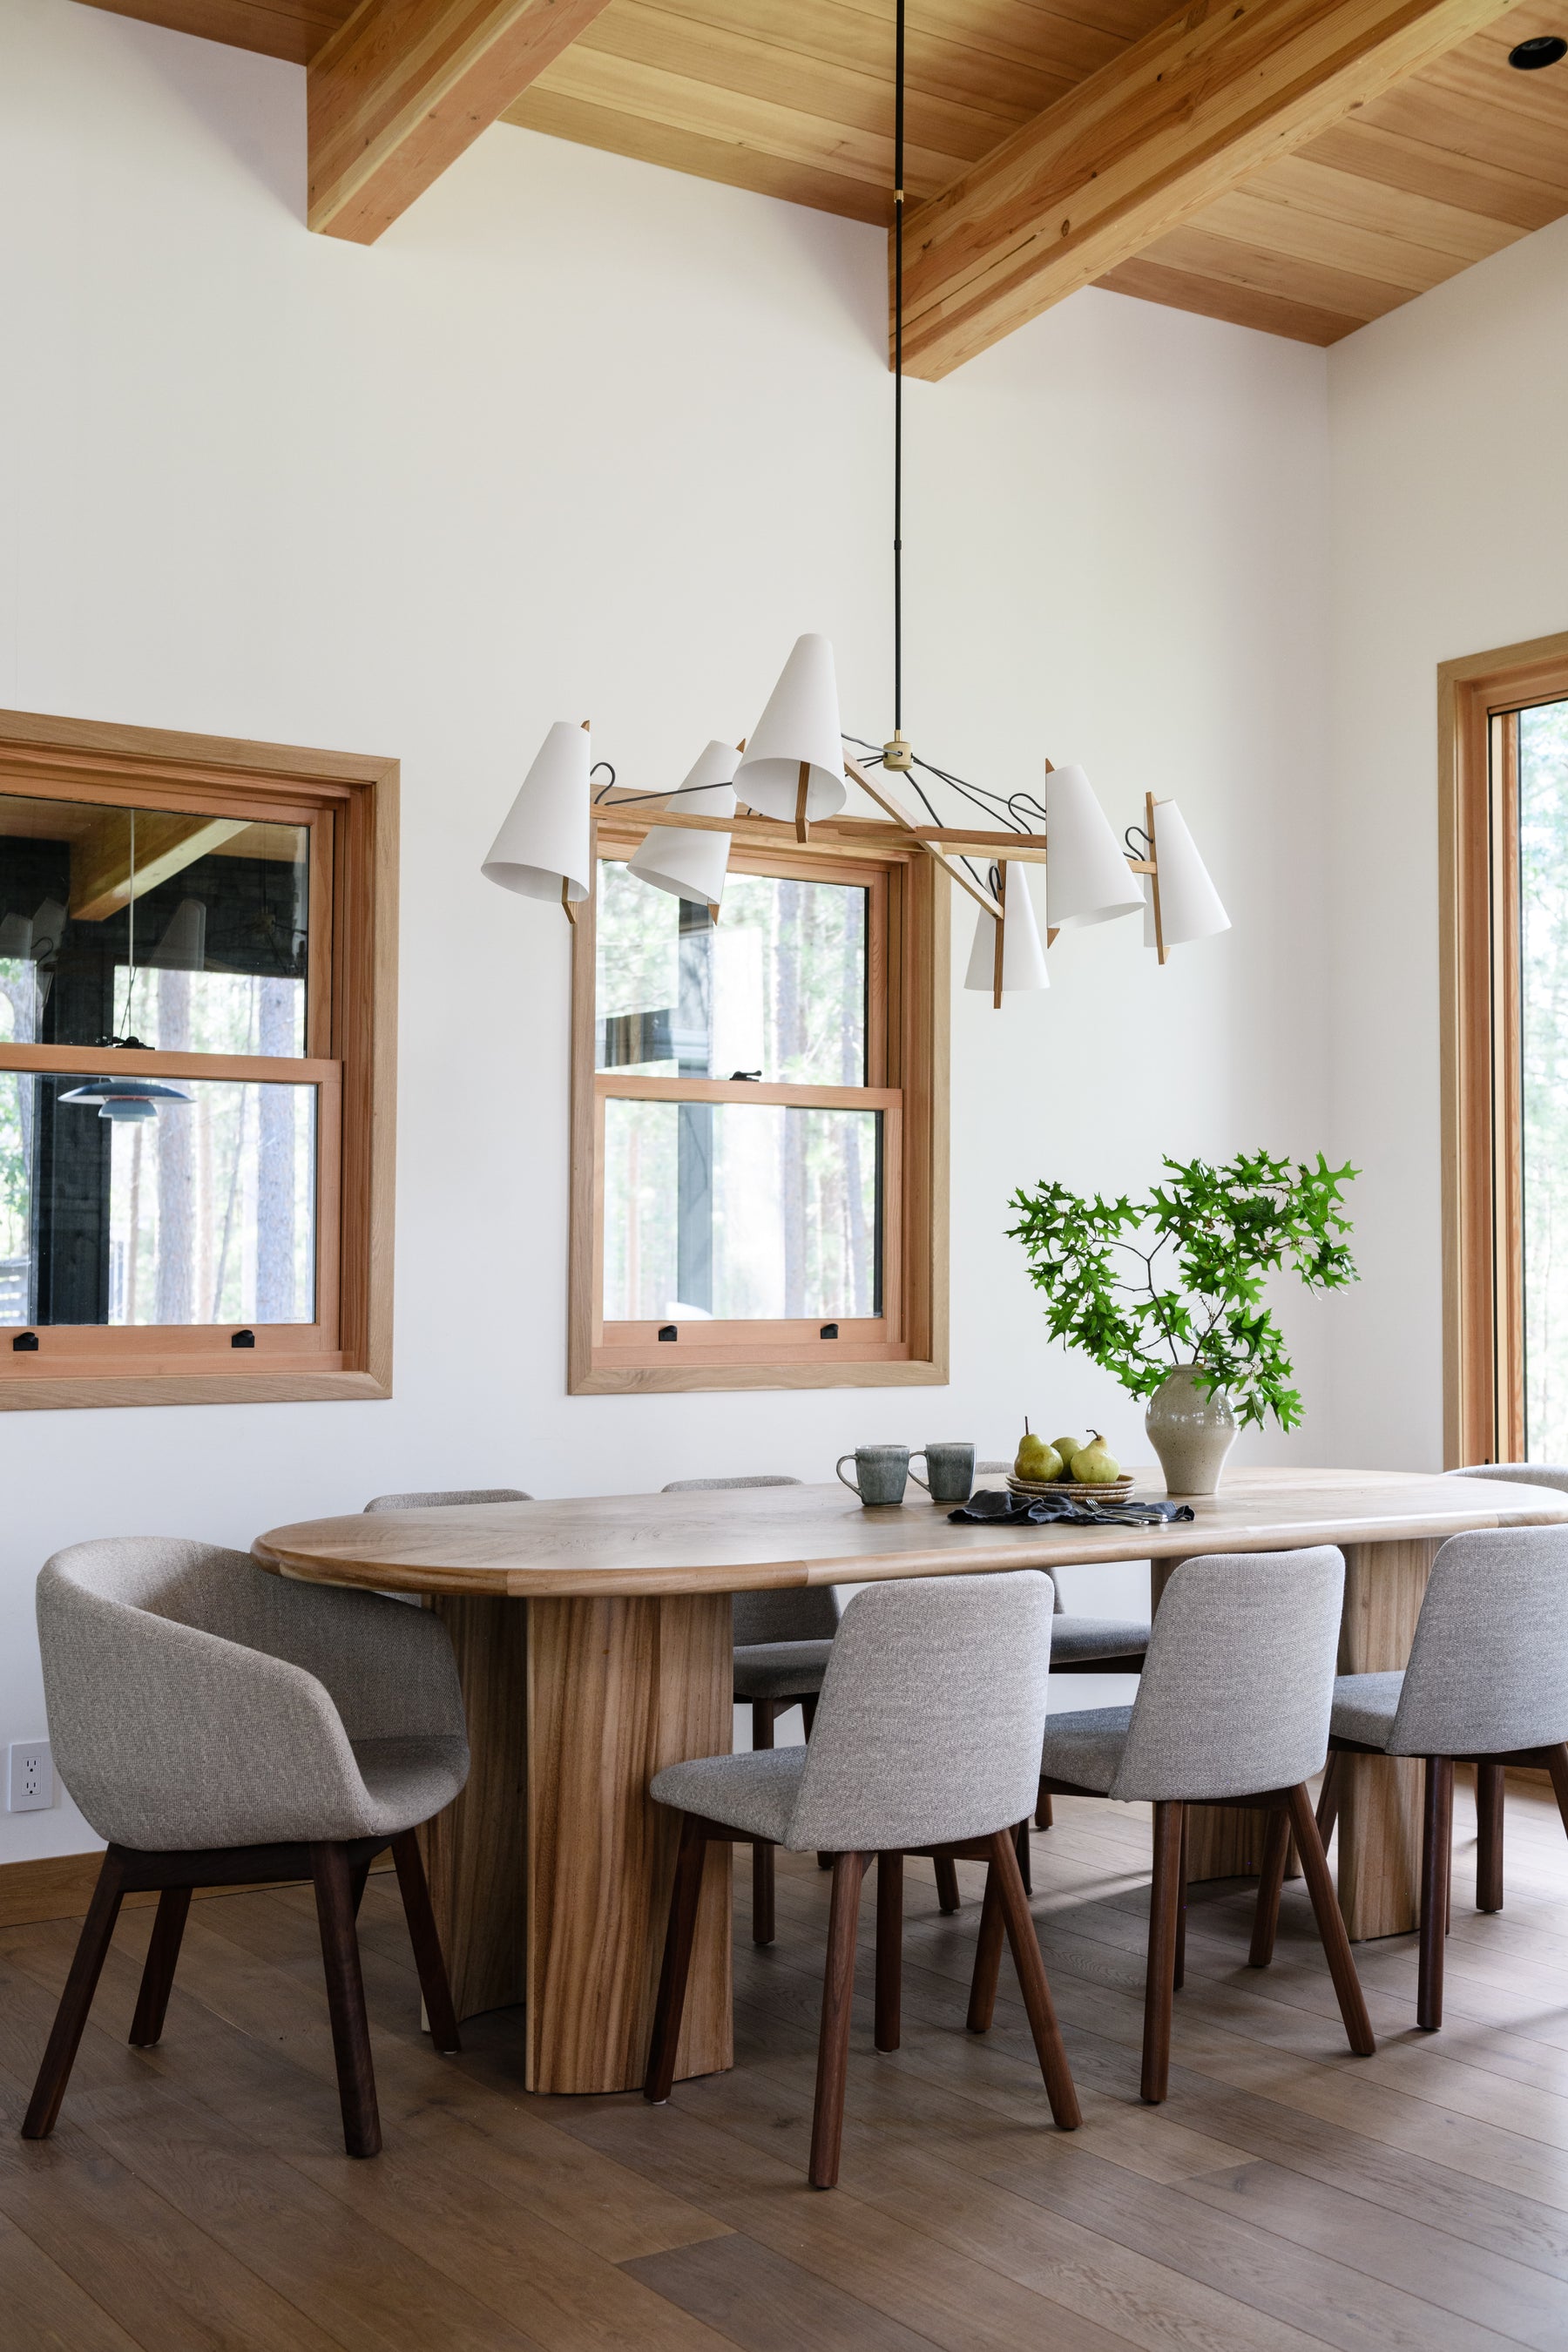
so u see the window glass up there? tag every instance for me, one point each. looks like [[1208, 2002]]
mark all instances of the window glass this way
[[740, 1212], [775, 990], [1543, 974], [202, 1213], [188, 933]]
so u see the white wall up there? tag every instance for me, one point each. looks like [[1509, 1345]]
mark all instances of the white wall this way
[[581, 437], [1450, 518]]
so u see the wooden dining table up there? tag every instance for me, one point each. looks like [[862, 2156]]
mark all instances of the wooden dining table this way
[[593, 1639]]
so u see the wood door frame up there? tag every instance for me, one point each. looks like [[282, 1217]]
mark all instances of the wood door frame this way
[[352, 1037], [909, 1057], [1478, 698]]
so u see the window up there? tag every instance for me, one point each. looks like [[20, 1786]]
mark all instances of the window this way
[[1504, 731], [195, 1066], [759, 1120]]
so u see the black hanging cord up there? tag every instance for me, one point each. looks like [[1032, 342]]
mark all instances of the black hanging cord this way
[[899, 377]]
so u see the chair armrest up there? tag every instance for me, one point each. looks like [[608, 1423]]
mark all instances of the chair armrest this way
[[389, 1669]]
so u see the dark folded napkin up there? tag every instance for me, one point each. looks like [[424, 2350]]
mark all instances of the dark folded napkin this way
[[991, 1507]]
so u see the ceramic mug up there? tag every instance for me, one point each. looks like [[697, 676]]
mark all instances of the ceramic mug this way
[[950, 1471], [880, 1474]]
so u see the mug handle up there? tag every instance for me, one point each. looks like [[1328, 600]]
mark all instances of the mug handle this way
[[921, 1483], [843, 1458]]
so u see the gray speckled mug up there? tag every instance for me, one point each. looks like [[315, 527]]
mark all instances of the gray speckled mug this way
[[881, 1471], [950, 1471]]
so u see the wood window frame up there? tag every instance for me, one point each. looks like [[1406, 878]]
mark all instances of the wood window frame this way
[[350, 803], [1478, 703], [908, 948]]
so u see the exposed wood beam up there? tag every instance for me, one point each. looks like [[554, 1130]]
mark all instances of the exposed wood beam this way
[[1215, 92], [406, 85], [105, 876]]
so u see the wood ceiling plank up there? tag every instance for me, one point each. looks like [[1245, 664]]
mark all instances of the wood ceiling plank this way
[[1487, 135], [1371, 209], [679, 103], [1183, 116], [652, 37], [291, 29], [1386, 159], [1240, 306], [405, 86], [725, 159], [1231, 261]]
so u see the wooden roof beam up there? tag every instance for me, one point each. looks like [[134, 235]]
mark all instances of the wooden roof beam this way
[[403, 86], [1218, 89]]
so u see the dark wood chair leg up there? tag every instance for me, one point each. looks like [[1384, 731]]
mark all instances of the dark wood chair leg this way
[[947, 1895], [808, 1715], [334, 1881], [889, 1949], [1179, 1973], [1437, 1872], [1026, 1864], [763, 1922], [1330, 1924], [158, 1974], [81, 1983], [1328, 1795], [670, 2003], [1165, 1904], [1013, 1906], [987, 1957], [424, 1936], [359, 1879], [1489, 1837], [1045, 1818], [1557, 1765], [1270, 1885], [838, 1998]]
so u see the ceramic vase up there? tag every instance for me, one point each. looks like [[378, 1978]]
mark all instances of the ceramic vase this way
[[1191, 1432]]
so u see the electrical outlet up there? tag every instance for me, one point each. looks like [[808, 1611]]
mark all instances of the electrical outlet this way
[[30, 1784]]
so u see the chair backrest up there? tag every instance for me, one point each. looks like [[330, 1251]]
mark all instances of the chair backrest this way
[[1238, 1685], [806, 1614], [1519, 1474], [448, 1498], [1488, 1666], [932, 1715]]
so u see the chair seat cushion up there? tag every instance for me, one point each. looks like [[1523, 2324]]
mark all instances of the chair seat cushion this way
[[781, 1669], [1075, 1639], [407, 1780], [755, 1793], [1365, 1705], [1085, 1744]]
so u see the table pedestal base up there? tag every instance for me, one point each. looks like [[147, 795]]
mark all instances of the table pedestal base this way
[[550, 1873], [1380, 1811]]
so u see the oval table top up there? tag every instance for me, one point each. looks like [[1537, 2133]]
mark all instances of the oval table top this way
[[752, 1539]]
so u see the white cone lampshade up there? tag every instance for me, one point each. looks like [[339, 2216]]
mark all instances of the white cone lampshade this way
[[184, 946], [1086, 876], [1023, 955], [799, 727], [1189, 906], [542, 850], [686, 864]]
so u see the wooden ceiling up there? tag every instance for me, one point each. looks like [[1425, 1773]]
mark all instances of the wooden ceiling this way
[[793, 98]]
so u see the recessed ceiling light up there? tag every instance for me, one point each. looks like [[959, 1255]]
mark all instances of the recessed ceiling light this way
[[1543, 49]]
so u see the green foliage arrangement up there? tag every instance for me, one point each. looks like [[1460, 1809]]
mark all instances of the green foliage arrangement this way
[[1227, 1229]]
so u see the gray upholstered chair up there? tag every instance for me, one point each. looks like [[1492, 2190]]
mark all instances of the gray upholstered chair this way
[[449, 1498], [220, 1727], [1487, 1684], [1232, 1709], [782, 1640], [927, 1735]]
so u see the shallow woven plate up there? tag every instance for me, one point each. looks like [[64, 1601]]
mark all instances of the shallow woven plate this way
[[1078, 1489]]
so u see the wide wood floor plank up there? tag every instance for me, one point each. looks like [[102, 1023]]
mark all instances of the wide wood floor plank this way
[[765, 2303], [44, 2307]]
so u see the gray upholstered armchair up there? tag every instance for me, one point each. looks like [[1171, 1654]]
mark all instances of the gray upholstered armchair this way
[[218, 1726]]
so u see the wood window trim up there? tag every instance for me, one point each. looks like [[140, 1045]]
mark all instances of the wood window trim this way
[[350, 1039], [908, 1066], [1478, 700]]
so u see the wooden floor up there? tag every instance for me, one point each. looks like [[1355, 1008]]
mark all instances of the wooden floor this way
[[1288, 2195]]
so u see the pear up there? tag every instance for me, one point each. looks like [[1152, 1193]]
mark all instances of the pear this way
[[1094, 1465], [1067, 1447], [1037, 1461]]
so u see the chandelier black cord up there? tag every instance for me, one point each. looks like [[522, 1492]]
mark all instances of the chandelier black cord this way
[[899, 372]]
